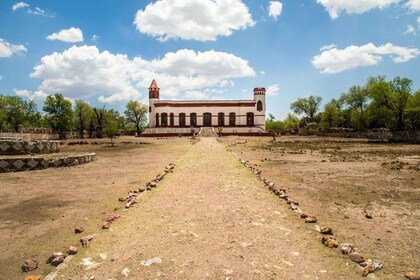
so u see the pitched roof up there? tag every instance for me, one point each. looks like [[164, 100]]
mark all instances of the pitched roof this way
[[154, 84]]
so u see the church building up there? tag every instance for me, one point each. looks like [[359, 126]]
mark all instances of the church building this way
[[231, 116]]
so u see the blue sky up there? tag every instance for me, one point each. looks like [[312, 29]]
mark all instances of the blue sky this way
[[107, 52]]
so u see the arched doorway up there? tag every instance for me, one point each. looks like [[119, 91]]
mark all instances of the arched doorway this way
[[250, 119], [164, 118], [207, 119], [221, 119], [171, 119], [193, 119], [232, 119], [182, 119], [157, 119]]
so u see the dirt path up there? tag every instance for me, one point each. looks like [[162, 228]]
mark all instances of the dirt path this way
[[211, 219]]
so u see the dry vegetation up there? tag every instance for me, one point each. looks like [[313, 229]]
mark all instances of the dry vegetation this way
[[40, 209], [340, 180]]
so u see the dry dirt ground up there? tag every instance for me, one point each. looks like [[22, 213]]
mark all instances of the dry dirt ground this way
[[212, 218], [338, 180], [40, 209]]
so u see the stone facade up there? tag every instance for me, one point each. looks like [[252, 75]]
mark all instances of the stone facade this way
[[35, 163], [19, 147], [214, 113]]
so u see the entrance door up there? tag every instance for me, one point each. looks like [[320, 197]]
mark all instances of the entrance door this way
[[250, 119], [207, 119]]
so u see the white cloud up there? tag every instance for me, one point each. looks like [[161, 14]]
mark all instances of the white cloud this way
[[273, 90], [1, 78], [262, 72], [193, 20], [418, 22], [81, 72], [328, 47], [19, 5], [7, 49], [410, 30], [413, 5], [40, 12], [337, 7], [71, 35], [95, 38], [274, 9], [22, 92], [336, 60]]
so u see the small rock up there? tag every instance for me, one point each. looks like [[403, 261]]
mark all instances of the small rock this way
[[55, 255], [368, 215], [125, 272], [85, 240], [356, 257], [371, 266], [304, 215], [347, 248], [79, 230], [153, 184], [32, 277], [106, 225], [326, 230], [29, 265], [73, 250], [294, 207], [141, 189], [329, 241], [103, 256], [271, 184], [310, 219], [151, 261], [57, 260], [412, 276], [121, 199], [112, 217]]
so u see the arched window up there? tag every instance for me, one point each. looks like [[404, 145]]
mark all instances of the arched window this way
[[250, 119], [193, 119], [221, 119], [171, 119], [164, 118], [157, 119], [259, 106], [150, 109], [232, 119], [181, 119]]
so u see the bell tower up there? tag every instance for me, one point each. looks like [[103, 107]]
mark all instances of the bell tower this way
[[259, 97], [153, 97]]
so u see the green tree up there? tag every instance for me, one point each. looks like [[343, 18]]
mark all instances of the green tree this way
[[3, 115], [332, 115], [291, 122], [389, 100], [59, 114], [412, 112], [274, 128], [357, 99], [99, 117], [136, 114], [307, 106], [83, 115]]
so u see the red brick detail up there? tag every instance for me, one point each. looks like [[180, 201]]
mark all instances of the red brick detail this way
[[206, 104]]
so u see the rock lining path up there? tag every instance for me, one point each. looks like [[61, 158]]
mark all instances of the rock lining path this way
[[212, 219]]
